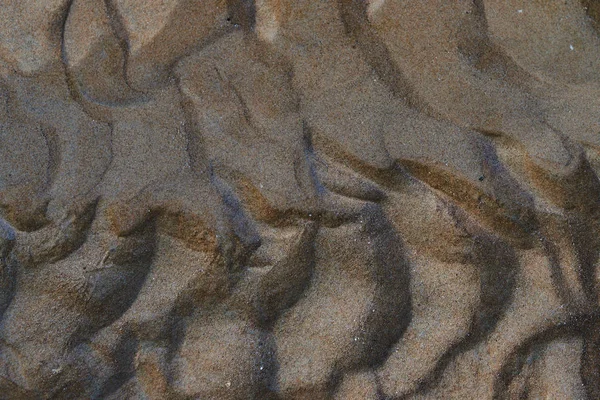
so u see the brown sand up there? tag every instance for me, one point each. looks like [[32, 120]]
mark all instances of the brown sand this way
[[299, 199]]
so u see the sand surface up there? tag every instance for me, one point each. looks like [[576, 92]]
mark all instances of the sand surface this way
[[299, 199]]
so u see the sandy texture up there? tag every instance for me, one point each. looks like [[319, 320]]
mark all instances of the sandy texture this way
[[299, 199]]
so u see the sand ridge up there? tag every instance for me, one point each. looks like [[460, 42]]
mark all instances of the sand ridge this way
[[293, 199]]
